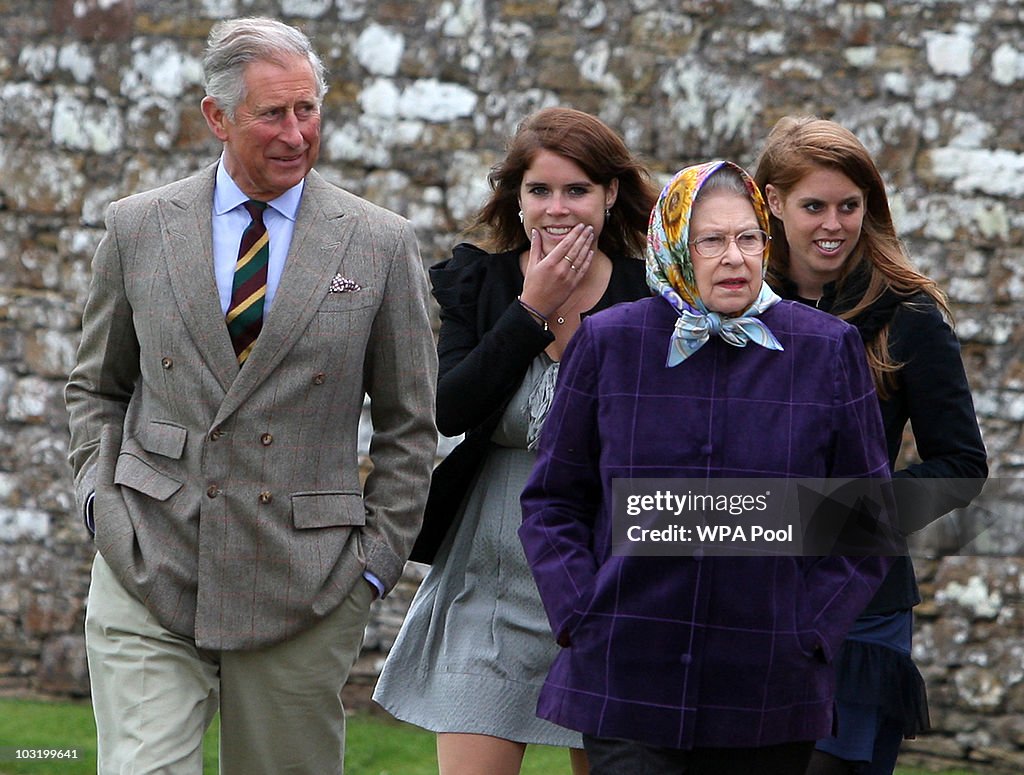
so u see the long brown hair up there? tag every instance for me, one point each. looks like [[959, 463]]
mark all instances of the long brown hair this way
[[599, 152], [796, 146]]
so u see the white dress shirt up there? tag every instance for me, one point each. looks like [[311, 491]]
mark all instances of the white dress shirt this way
[[230, 219]]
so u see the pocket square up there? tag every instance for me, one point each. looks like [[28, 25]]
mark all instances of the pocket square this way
[[341, 284]]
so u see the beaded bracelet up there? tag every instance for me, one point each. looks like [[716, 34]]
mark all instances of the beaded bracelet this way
[[535, 313]]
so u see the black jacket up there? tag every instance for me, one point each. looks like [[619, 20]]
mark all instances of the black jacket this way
[[932, 394], [486, 344]]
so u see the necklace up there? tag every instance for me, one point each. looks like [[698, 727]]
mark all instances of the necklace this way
[[572, 305], [560, 315], [576, 301]]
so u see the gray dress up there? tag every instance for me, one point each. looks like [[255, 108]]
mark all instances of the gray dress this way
[[476, 646]]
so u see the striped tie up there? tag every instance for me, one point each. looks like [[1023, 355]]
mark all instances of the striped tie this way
[[245, 313]]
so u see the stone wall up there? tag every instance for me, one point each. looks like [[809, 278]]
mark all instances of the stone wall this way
[[99, 98]]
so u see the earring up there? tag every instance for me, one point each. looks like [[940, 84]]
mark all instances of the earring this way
[[607, 213], [521, 218]]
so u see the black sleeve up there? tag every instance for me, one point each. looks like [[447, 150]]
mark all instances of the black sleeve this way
[[487, 340], [936, 397]]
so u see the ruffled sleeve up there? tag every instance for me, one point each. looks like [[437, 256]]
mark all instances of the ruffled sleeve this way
[[456, 281]]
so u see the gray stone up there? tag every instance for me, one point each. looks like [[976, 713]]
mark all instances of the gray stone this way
[[100, 100]]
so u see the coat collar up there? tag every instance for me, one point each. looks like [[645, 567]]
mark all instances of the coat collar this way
[[323, 229], [841, 296], [187, 228]]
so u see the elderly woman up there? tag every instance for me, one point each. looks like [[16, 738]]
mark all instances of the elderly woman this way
[[713, 664]]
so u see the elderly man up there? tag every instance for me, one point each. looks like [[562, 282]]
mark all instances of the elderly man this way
[[235, 322]]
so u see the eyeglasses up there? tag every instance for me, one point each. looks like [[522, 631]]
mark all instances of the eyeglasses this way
[[750, 243]]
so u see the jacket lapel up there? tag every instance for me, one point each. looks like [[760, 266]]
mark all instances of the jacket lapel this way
[[188, 234], [319, 240]]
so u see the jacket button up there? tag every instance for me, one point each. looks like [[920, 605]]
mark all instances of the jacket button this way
[[212, 491], [166, 363], [319, 379], [216, 433], [685, 659], [706, 449], [266, 497], [266, 439]]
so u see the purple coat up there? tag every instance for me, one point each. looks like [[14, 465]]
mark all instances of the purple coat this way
[[678, 651]]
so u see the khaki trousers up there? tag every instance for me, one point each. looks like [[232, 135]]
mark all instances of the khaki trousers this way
[[154, 693]]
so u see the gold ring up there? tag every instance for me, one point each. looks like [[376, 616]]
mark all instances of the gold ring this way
[[568, 259]]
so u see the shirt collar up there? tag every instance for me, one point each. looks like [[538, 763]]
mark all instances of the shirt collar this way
[[227, 195]]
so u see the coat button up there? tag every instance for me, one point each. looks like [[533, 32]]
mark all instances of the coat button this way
[[266, 497], [266, 439], [216, 433], [212, 491], [706, 449], [166, 363], [319, 379], [685, 659]]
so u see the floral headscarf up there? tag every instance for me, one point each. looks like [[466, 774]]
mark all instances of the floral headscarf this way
[[670, 269]]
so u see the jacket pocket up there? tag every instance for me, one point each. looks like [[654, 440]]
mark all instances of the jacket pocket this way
[[580, 613], [808, 638], [162, 438], [137, 474], [349, 301], [327, 509]]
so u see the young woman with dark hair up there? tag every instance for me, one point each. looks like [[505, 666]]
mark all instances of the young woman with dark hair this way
[[565, 227]]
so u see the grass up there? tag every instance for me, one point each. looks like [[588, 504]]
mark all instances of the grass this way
[[376, 745]]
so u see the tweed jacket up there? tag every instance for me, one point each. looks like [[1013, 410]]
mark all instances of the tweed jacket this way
[[692, 652], [227, 498]]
